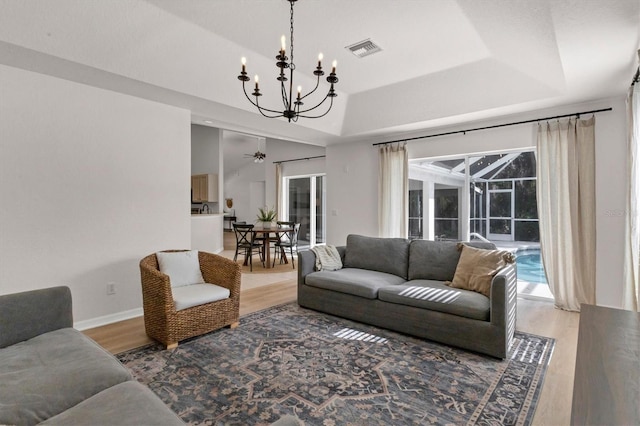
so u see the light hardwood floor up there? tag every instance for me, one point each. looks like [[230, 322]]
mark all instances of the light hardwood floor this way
[[536, 317]]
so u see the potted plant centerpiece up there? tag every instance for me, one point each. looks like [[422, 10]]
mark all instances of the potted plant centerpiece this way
[[266, 215]]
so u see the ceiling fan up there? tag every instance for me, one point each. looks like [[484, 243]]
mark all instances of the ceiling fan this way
[[258, 156]]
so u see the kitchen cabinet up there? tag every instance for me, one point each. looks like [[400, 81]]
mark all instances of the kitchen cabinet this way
[[204, 188]]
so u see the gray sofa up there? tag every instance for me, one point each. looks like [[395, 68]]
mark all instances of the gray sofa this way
[[398, 284], [52, 374]]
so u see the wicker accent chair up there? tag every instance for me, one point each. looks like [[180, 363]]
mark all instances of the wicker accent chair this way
[[161, 320]]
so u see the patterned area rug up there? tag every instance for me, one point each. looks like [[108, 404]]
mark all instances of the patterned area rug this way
[[329, 371]]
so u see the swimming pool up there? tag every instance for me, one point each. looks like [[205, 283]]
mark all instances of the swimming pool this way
[[529, 266]]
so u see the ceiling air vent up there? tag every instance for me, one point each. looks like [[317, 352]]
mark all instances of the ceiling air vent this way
[[364, 48]]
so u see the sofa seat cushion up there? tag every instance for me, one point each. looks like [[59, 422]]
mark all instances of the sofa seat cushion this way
[[188, 296], [437, 296], [128, 403], [359, 282], [48, 374]]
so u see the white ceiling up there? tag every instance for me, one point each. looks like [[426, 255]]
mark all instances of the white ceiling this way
[[443, 61]]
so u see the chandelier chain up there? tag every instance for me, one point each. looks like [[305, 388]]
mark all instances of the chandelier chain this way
[[292, 65]]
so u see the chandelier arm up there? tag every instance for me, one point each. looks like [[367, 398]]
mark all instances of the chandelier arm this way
[[255, 104], [291, 68], [278, 114], [314, 89], [317, 105], [247, 95], [263, 109], [317, 116], [285, 101]]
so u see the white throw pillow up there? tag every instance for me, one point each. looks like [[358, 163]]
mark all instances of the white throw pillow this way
[[182, 267]]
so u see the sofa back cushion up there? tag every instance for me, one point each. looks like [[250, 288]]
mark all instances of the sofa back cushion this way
[[390, 255], [437, 260]]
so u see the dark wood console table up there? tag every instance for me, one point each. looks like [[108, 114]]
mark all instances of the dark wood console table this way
[[606, 387]]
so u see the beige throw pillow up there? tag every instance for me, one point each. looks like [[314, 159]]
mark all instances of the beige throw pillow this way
[[477, 267]]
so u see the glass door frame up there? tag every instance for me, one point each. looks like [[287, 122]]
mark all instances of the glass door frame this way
[[501, 237], [312, 204]]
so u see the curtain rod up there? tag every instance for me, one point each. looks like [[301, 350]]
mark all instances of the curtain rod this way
[[299, 159], [577, 114]]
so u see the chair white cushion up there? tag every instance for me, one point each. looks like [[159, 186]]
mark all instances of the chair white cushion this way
[[183, 267], [197, 294]]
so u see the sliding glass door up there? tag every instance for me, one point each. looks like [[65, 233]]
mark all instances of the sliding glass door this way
[[305, 203], [499, 206]]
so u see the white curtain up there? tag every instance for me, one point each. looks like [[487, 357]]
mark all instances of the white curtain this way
[[393, 198], [631, 293], [566, 209], [279, 200]]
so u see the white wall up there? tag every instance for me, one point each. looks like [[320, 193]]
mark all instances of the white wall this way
[[611, 182], [352, 191], [237, 185], [205, 150], [91, 181], [352, 179]]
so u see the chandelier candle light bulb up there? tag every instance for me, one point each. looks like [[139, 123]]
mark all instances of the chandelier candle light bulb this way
[[292, 106]]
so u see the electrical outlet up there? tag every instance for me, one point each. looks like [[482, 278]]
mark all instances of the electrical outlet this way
[[111, 289]]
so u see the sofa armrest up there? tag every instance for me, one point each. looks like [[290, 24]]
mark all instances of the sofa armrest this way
[[221, 271], [307, 262], [504, 293], [32, 313]]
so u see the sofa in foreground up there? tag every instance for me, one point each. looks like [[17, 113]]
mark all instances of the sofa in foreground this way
[[399, 284], [52, 374]]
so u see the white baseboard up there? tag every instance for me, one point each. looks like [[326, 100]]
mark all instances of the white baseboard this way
[[107, 319]]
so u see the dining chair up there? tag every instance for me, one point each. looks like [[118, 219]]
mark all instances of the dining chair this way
[[273, 239], [288, 240], [246, 241]]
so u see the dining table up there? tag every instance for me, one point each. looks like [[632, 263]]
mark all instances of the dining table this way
[[265, 233]]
